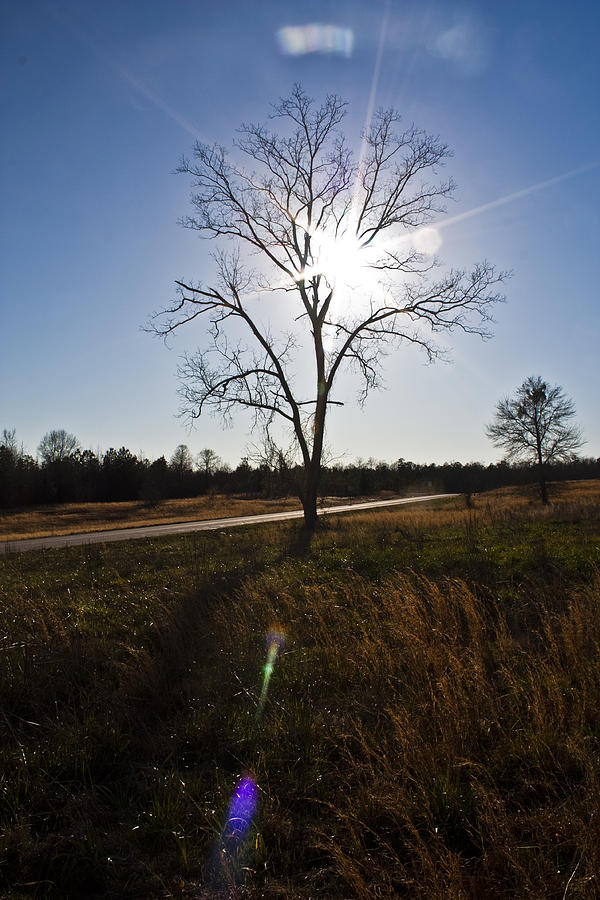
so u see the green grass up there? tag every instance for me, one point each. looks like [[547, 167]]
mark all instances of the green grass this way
[[432, 727]]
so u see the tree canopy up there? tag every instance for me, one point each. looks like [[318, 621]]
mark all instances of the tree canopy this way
[[57, 445], [535, 425], [340, 243]]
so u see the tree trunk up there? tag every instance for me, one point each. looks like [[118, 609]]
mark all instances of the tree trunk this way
[[309, 497], [540, 460], [543, 486], [542, 474]]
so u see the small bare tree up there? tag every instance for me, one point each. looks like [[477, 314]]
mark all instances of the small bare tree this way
[[58, 445], [534, 425], [208, 461], [9, 441], [182, 461], [341, 248]]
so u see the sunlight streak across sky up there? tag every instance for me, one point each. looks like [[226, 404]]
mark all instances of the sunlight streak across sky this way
[[426, 240], [145, 92], [371, 101], [124, 73], [517, 195]]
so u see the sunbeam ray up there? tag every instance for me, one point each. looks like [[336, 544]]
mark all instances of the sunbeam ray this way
[[124, 73], [371, 103], [517, 195]]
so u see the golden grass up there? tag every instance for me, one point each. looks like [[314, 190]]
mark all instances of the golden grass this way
[[74, 518], [448, 740], [499, 507], [431, 731]]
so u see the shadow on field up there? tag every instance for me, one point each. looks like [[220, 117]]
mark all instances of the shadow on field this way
[[109, 656], [431, 730]]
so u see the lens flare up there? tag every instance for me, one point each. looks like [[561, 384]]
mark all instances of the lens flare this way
[[241, 809], [225, 867], [275, 643], [427, 240], [297, 40]]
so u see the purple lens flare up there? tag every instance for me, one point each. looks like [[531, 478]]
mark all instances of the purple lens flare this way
[[226, 867], [241, 809]]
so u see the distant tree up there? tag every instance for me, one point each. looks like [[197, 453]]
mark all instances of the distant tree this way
[[19, 474], [275, 464], [245, 479], [181, 470], [182, 461], [122, 475], [339, 243], [89, 469], [208, 462], [156, 481], [8, 466], [9, 441], [59, 452], [58, 445], [534, 425], [159, 465]]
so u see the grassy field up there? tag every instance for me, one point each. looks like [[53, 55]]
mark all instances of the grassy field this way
[[431, 727]]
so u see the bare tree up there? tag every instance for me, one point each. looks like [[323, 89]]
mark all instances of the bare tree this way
[[534, 425], [182, 461], [340, 254], [9, 441], [208, 461], [266, 452], [276, 463], [58, 445]]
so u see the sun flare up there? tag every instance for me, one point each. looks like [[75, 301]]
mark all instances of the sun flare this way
[[339, 260], [343, 261], [346, 265]]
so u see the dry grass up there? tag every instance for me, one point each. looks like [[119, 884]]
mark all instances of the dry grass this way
[[439, 755], [432, 728], [73, 518]]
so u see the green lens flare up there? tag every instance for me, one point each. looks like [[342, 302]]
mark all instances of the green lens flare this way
[[275, 642]]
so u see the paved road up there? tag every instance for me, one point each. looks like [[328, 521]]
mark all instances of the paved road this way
[[151, 531]]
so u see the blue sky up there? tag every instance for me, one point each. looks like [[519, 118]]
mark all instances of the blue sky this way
[[99, 100]]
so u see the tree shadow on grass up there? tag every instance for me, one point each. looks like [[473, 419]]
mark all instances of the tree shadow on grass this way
[[117, 744]]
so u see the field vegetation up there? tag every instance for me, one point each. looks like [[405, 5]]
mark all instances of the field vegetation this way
[[431, 729], [72, 518]]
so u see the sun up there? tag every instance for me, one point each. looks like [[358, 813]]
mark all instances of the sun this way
[[339, 260], [357, 271], [345, 263], [342, 260]]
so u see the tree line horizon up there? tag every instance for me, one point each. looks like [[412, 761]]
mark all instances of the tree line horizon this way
[[66, 473]]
